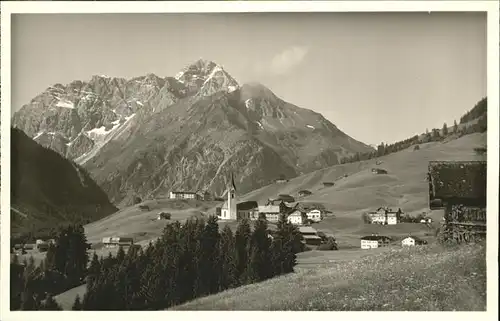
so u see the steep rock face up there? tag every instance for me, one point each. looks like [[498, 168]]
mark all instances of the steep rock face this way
[[80, 145], [149, 135], [50, 189]]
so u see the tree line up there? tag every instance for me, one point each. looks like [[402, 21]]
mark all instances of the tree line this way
[[435, 135], [188, 261]]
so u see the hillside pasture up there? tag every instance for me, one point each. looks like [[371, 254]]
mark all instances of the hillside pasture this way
[[424, 278]]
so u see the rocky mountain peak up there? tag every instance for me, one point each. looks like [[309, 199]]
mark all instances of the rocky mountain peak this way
[[205, 77]]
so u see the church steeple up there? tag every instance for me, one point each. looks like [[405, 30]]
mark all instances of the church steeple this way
[[231, 199]]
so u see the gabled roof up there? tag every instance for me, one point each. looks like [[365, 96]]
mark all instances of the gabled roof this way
[[269, 209], [296, 213], [417, 239], [178, 192], [307, 229], [458, 182], [376, 238], [245, 206]]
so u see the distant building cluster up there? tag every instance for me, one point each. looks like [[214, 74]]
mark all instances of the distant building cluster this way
[[271, 211]]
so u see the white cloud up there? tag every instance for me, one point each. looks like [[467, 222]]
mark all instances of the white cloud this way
[[284, 61]]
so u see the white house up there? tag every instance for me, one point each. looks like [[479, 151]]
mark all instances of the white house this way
[[383, 216], [392, 219], [374, 241], [272, 212], [412, 241], [296, 218], [184, 195], [115, 241], [314, 215]]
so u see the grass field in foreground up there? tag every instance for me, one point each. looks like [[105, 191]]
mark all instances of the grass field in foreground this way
[[427, 278]]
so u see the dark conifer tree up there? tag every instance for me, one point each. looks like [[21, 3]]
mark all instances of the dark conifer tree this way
[[242, 245], [259, 267], [77, 305], [445, 130], [227, 259], [16, 284], [50, 304], [120, 256], [209, 258]]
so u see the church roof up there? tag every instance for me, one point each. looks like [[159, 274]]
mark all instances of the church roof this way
[[248, 205]]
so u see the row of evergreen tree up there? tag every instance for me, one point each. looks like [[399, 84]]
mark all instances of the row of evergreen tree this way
[[64, 267], [188, 261], [436, 135]]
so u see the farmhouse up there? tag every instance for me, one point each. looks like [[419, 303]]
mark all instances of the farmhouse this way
[[384, 215], [412, 241], [379, 171], [271, 212], [426, 220], [314, 215], [374, 241], [184, 195], [310, 235], [297, 217], [115, 241], [459, 188], [304, 193]]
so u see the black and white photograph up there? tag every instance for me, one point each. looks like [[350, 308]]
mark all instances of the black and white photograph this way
[[176, 158]]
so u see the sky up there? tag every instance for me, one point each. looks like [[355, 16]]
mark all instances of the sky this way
[[379, 77]]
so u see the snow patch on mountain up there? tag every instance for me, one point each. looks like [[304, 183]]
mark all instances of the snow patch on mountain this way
[[179, 76], [64, 104], [104, 139], [215, 70], [38, 135]]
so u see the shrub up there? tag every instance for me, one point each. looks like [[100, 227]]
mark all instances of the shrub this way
[[330, 245], [417, 147], [480, 150]]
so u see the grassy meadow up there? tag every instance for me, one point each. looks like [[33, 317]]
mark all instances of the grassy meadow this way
[[427, 278]]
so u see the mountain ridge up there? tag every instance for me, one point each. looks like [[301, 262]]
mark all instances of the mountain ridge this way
[[117, 121], [49, 189]]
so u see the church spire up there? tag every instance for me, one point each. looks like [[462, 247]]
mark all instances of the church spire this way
[[232, 182]]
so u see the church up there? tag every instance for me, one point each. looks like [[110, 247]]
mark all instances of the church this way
[[232, 210]]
